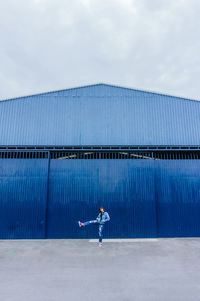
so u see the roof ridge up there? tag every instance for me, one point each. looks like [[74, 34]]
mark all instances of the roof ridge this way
[[98, 84]]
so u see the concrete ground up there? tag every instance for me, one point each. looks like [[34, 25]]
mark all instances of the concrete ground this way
[[58, 270]]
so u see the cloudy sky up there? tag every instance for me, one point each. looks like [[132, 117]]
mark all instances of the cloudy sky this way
[[54, 44]]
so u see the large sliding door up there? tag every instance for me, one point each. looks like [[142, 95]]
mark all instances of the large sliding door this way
[[178, 197], [23, 195], [78, 187]]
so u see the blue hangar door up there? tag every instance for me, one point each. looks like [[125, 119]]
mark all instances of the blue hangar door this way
[[23, 195], [44, 198], [125, 188], [178, 197]]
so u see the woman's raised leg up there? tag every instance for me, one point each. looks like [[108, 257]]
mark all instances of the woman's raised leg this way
[[87, 223]]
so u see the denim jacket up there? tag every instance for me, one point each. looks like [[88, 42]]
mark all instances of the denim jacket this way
[[105, 218]]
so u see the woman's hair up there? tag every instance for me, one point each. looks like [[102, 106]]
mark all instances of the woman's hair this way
[[101, 208]]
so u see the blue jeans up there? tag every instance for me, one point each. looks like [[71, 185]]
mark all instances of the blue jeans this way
[[100, 228]]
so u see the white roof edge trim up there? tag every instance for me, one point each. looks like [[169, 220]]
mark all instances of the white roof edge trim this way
[[102, 83]]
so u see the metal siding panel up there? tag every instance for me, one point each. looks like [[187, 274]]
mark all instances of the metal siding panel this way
[[78, 187], [100, 115], [178, 197], [23, 185]]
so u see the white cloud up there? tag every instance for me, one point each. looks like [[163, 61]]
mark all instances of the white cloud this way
[[48, 45]]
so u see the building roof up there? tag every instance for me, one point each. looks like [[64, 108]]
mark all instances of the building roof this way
[[100, 114]]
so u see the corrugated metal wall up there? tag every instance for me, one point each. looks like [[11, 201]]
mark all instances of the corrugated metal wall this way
[[100, 115], [145, 198]]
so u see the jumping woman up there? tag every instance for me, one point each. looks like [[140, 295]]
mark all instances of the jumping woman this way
[[101, 219]]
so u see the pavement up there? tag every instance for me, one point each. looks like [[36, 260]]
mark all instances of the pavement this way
[[78, 270]]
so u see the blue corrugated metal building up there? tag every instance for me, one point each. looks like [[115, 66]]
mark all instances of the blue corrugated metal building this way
[[65, 153]]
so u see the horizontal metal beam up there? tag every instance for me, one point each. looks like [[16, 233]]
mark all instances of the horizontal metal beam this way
[[100, 148]]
